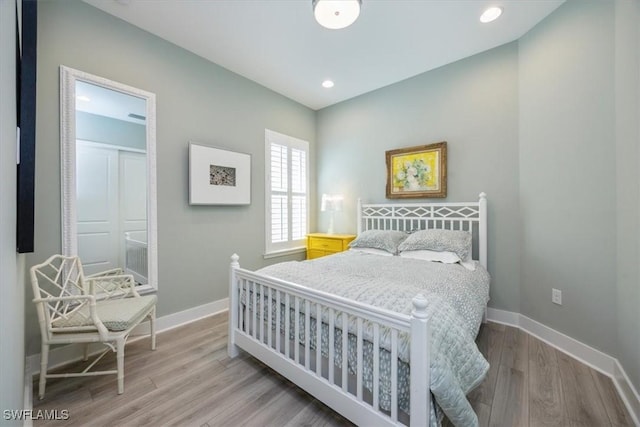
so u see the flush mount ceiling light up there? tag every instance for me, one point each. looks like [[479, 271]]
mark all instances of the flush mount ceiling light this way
[[491, 14], [336, 14], [327, 84]]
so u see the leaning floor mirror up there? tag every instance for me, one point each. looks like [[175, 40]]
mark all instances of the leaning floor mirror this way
[[108, 155]]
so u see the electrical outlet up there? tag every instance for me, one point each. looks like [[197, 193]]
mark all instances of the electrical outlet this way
[[556, 296]]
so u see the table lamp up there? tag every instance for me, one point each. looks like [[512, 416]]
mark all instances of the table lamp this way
[[331, 203]]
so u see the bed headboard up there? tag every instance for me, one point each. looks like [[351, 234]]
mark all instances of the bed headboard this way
[[471, 216]]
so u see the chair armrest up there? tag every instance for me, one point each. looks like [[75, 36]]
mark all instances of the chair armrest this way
[[102, 330], [91, 298], [112, 272], [112, 286]]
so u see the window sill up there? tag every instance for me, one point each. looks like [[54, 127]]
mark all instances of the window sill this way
[[285, 252]]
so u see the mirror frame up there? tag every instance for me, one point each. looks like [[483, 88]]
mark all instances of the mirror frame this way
[[68, 79]]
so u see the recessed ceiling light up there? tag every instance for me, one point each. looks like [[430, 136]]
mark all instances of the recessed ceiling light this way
[[83, 98], [491, 14], [327, 84]]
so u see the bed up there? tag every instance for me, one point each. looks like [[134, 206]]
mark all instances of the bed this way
[[408, 356]]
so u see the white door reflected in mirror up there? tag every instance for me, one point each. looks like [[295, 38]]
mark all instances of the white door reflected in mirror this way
[[108, 172]]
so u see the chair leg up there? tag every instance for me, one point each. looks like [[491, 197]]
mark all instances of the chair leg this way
[[120, 363], [44, 360], [86, 352], [152, 325]]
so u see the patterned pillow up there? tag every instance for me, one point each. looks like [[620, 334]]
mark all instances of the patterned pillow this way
[[455, 241], [387, 240]]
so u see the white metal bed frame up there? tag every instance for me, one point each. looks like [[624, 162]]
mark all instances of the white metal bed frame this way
[[296, 361]]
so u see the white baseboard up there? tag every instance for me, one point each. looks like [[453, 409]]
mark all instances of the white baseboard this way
[[72, 353], [28, 397], [180, 318], [628, 392], [590, 356], [505, 317]]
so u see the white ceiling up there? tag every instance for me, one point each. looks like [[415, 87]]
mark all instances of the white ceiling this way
[[278, 44]]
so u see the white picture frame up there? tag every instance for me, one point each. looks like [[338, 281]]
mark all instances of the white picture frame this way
[[218, 176]]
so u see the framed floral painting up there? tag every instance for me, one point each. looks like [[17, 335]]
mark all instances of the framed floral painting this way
[[417, 172]]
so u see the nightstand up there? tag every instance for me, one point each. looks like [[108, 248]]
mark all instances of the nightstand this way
[[321, 244]]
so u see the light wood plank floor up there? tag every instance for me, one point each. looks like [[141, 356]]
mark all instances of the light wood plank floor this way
[[190, 381]]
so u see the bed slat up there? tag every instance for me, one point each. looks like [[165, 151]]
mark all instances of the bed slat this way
[[296, 330], [287, 325], [247, 311], [254, 310], [307, 336], [278, 320], [359, 360], [345, 321], [318, 340], [394, 375], [332, 345], [261, 312], [376, 365], [269, 318]]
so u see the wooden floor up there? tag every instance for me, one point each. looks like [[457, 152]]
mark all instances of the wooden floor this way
[[190, 381]]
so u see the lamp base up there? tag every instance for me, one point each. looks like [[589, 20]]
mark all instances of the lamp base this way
[[330, 229]]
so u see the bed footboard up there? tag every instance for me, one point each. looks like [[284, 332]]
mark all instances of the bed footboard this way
[[319, 341]]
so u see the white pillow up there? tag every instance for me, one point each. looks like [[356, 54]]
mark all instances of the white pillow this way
[[373, 251], [427, 255], [443, 257], [469, 264]]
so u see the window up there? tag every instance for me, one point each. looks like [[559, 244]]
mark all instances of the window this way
[[287, 184]]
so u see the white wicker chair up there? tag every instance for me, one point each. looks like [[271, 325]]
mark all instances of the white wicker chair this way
[[74, 308]]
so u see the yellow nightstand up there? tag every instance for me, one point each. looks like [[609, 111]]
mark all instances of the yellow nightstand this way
[[321, 244]]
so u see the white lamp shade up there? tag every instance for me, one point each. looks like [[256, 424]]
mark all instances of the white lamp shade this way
[[331, 203], [336, 14]]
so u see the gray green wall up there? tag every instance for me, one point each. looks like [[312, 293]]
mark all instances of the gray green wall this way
[[567, 172], [96, 128], [12, 281], [196, 101], [473, 105], [548, 127], [579, 181], [627, 127]]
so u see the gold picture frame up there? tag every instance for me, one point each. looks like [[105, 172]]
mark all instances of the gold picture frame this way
[[417, 172]]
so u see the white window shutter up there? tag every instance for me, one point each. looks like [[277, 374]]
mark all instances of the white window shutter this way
[[287, 199]]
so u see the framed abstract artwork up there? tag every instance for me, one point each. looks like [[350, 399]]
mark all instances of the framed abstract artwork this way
[[218, 176], [417, 172]]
